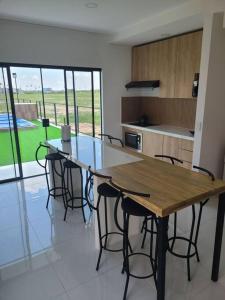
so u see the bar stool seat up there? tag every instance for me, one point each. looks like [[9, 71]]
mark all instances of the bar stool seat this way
[[54, 156], [68, 183], [104, 191], [107, 190], [133, 208], [51, 159]]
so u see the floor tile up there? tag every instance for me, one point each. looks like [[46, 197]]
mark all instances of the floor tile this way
[[43, 257], [35, 285], [17, 243]]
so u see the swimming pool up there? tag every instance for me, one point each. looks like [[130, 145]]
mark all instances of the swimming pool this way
[[6, 121]]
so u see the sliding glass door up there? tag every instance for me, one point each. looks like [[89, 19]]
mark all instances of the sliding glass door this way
[[29, 94], [10, 167], [83, 94]]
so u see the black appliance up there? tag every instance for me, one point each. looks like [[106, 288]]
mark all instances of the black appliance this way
[[195, 86], [133, 140], [143, 84]]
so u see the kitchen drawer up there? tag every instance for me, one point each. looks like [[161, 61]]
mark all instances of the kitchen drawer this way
[[187, 165], [187, 145], [186, 155]]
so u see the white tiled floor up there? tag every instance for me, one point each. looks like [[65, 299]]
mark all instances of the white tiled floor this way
[[44, 258]]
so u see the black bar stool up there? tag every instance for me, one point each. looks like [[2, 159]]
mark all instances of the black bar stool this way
[[192, 241], [104, 190], [50, 161], [68, 185], [145, 228], [112, 139], [132, 208]]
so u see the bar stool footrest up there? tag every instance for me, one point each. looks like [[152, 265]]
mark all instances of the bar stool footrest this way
[[151, 261], [106, 235], [183, 239], [76, 206], [52, 192]]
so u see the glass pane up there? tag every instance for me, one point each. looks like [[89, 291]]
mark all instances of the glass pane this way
[[83, 89], [97, 102], [29, 112], [8, 155], [54, 96]]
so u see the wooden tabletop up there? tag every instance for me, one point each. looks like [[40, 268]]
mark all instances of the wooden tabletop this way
[[171, 187]]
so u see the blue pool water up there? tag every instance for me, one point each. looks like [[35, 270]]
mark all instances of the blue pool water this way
[[5, 121]]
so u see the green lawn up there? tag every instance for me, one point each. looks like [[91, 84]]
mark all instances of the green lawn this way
[[83, 98], [29, 141], [30, 138]]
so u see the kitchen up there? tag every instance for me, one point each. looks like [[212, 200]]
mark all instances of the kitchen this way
[[164, 123], [162, 84]]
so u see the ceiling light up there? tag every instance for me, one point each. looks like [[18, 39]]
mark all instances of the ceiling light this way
[[91, 5]]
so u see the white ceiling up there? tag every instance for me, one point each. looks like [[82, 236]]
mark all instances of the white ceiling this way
[[127, 21], [109, 17]]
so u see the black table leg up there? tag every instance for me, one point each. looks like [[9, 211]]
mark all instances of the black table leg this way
[[162, 242], [218, 237]]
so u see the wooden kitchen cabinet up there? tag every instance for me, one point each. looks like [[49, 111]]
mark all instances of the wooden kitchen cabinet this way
[[188, 56], [156, 143], [139, 63], [173, 61], [145, 62], [167, 65], [152, 143], [171, 146]]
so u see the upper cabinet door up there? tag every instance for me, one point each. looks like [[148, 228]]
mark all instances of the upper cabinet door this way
[[173, 61], [188, 56], [167, 67], [145, 62], [139, 63]]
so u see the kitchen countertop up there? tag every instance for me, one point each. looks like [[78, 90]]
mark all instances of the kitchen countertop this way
[[177, 132], [88, 151]]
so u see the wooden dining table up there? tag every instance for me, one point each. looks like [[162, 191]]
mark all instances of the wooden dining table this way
[[171, 189]]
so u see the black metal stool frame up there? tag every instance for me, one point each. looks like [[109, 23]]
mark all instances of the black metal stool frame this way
[[52, 191], [194, 233], [111, 139], [102, 237], [69, 183], [124, 230]]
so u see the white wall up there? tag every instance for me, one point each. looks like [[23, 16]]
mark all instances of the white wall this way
[[210, 139], [35, 44]]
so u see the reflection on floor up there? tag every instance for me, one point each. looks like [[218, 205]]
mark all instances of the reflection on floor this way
[[30, 168], [42, 257]]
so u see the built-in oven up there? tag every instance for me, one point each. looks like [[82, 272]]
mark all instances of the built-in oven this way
[[133, 140]]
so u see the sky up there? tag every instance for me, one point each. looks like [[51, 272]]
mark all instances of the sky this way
[[29, 79]]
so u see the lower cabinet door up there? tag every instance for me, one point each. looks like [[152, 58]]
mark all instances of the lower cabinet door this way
[[152, 143], [171, 146]]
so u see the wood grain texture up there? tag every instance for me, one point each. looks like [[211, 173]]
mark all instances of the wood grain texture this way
[[130, 109], [187, 145], [186, 155], [171, 187], [152, 143], [177, 112], [187, 63], [173, 61], [139, 59], [167, 67], [171, 146]]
